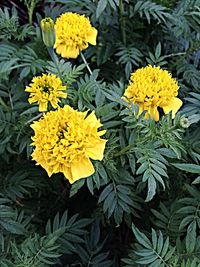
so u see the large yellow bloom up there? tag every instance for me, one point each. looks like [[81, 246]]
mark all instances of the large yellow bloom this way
[[152, 87], [46, 89], [73, 33], [65, 140]]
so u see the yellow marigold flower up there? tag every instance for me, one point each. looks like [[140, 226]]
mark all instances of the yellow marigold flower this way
[[46, 89], [152, 87], [65, 140], [73, 33]]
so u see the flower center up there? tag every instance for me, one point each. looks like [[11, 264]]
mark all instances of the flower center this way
[[46, 89]]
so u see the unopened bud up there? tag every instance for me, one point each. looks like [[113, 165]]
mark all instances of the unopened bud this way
[[184, 122], [48, 31]]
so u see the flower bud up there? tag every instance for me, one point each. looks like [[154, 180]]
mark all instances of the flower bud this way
[[184, 122], [48, 31]]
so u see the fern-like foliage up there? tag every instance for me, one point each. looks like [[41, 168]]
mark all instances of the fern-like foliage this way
[[10, 27], [38, 251], [16, 185], [119, 199], [151, 10], [156, 58], [68, 73], [168, 220], [130, 57], [73, 231], [188, 14], [189, 74], [158, 251], [154, 252], [153, 169], [190, 214], [25, 58], [93, 253], [192, 108], [9, 23], [9, 219]]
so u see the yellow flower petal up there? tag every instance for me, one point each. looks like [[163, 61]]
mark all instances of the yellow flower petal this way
[[62, 95], [92, 37], [56, 168], [67, 173], [153, 112], [42, 106], [96, 152], [70, 52], [31, 100], [81, 169], [91, 119], [28, 89], [100, 133], [59, 48], [141, 109], [174, 105]]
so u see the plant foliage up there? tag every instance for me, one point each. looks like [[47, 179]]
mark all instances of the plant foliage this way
[[141, 207]]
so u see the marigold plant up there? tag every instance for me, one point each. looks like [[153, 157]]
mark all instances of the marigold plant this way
[[126, 198], [65, 140], [73, 33], [150, 88], [45, 89]]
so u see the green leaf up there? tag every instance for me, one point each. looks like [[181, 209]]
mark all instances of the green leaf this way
[[76, 186], [158, 50], [142, 168], [105, 192], [191, 237], [192, 168], [151, 188], [13, 227], [141, 238], [197, 180], [100, 7]]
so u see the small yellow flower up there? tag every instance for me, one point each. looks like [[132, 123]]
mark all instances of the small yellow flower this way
[[46, 89], [152, 87], [73, 33], [65, 140]]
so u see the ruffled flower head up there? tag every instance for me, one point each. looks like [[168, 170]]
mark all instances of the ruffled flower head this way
[[65, 140], [46, 89], [152, 87], [73, 33]]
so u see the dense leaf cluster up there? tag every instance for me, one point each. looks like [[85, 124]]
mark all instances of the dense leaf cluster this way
[[142, 205]]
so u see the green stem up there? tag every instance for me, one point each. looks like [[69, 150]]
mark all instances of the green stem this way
[[55, 60], [85, 61], [30, 12], [124, 150], [30, 6], [11, 103], [34, 118], [175, 54], [122, 21]]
